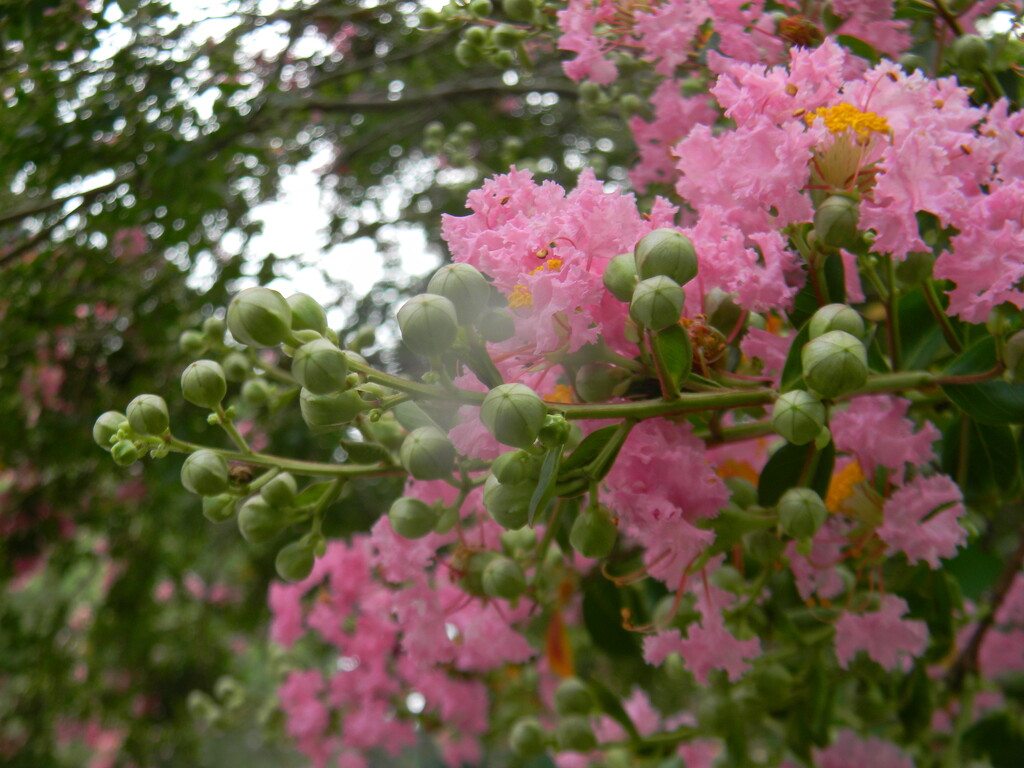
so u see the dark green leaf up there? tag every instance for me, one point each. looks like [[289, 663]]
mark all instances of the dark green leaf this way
[[835, 278], [990, 402], [673, 356], [982, 457], [602, 615], [589, 448], [545, 489], [365, 453], [793, 369]]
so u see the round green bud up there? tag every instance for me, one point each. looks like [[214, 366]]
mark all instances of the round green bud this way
[[280, 492], [521, 540], [294, 561], [472, 569], [657, 302], [256, 392], [666, 252], [801, 513], [429, 324], [236, 367], [476, 36], [798, 416], [203, 384], [205, 472], [835, 221], [430, 18], [506, 36], [467, 55], [555, 431], [259, 317], [597, 382], [125, 453], [575, 734], [912, 62], [323, 413], [744, 492], [514, 414], [508, 505], [836, 317], [496, 326], [428, 454], [528, 738], [631, 104], [971, 52], [365, 336], [219, 508], [512, 467], [503, 578], [106, 427], [306, 313], [594, 532], [411, 518], [259, 522], [464, 286], [519, 10], [834, 363], [620, 276], [1013, 359], [573, 697], [320, 367], [191, 342], [481, 7], [213, 329], [147, 415]]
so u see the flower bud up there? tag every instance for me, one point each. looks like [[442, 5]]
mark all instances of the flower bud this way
[[191, 342], [323, 413], [125, 453], [835, 221], [519, 10], [205, 472], [203, 384], [219, 508], [801, 513], [306, 313], [744, 492], [213, 329], [496, 326], [970, 52], [259, 317], [573, 697], [798, 416], [1013, 359], [597, 382], [320, 367], [512, 468], [514, 414], [555, 431], [429, 324], [280, 491], [522, 540], [259, 522], [236, 367], [594, 532], [147, 415], [620, 276], [294, 561], [428, 454], [508, 505], [834, 363], [575, 734], [503, 578], [106, 428], [472, 568], [411, 518], [464, 287], [657, 302], [528, 738], [836, 317], [666, 252], [256, 392]]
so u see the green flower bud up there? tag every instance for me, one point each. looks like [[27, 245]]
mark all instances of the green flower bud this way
[[323, 413], [1013, 359], [514, 414], [481, 8], [744, 492], [597, 382], [594, 532], [364, 337], [411, 518], [429, 324], [835, 363], [657, 302], [213, 329], [970, 52], [320, 367], [801, 513], [236, 367], [205, 472], [912, 62], [503, 578], [219, 508], [836, 317], [798, 416], [835, 221], [464, 287], [256, 392], [191, 342], [506, 36], [428, 454], [573, 697], [472, 569], [528, 738], [430, 18], [575, 734], [476, 36], [280, 492], [259, 522], [147, 415], [203, 384], [125, 453], [666, 252], [294, 561], [508, 505], [106, 428], [519, 10], [467, 55], [259, 317], [512, 467], [496, 326], [307, 314], [620, 276], [555, 431], [522, 540]]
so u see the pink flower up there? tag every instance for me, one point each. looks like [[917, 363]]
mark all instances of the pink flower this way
[[888, 639], [875, 429], [851, 751], [922, 519]]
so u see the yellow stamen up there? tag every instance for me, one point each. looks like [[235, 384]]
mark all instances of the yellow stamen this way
[[842, 486], [560, 394], [843, 117], [550, 265], [520, 297]]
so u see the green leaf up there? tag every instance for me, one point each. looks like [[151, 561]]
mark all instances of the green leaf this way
[[920, 336], [835, 278], [916, 702], [411, 416], [365, 453], [602, 615], [730, 525], [793, 369], [789, 464], [545, 490], [990, 402], [673, 356], [611, 706], [983, 458], [589, 448]]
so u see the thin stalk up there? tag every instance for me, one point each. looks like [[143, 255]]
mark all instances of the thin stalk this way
[[892, 324], [935, 307], [233, 433]]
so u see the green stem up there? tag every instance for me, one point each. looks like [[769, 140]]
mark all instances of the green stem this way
[[687, 402], [415, 388], [737, 433], [233, 433], [949, 333], [893, 317], [330, 494], [273, 372]]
